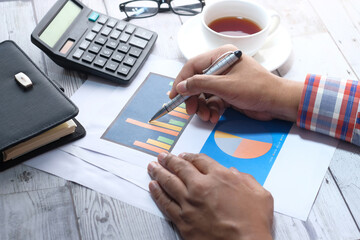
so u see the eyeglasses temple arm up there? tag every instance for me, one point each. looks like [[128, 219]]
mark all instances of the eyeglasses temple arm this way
[[188, 8]]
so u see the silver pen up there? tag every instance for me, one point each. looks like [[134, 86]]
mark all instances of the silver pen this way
[[219, 66]]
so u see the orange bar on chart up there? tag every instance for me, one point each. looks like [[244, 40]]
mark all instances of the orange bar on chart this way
[[159, 144], [180, 115], [166, 125], [182, 110], [149, 147], [152, 127]]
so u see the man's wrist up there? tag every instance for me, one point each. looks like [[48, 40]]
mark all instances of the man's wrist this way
[[286, 99]]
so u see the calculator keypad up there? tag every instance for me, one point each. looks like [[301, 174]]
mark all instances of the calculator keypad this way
[[112, 46]]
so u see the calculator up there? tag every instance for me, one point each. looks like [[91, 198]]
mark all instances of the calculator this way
[[77, 37]]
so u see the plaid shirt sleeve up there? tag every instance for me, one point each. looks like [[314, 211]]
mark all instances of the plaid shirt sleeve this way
[[331, 106]]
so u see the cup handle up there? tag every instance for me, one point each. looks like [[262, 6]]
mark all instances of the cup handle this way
[[274, 24]]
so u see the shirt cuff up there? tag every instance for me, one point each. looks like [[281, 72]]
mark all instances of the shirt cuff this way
[[331, 106]]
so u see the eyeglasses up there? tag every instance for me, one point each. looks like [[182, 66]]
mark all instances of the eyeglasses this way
[[149, 8]]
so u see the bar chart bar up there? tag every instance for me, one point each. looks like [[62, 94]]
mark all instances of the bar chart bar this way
[[165, 140], [149, 147], [182, 110], [152, 127], [158, 144], [166, 125], [180, 115], [177, 123]]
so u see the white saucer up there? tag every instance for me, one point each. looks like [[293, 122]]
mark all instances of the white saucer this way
[[272, 55]]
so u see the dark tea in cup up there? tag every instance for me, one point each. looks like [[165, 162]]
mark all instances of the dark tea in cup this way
[[243, 23], [234, 26]]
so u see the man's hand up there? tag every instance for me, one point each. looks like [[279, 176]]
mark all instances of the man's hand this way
[[208, 201], [246, 86]]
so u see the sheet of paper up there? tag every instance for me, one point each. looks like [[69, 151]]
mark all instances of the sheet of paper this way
[[74, 169], [132, 173], [293, 177]]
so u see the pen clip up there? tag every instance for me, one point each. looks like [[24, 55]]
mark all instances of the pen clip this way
[[217, 60]]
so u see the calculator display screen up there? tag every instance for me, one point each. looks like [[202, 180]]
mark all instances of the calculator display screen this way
[[60, 23]]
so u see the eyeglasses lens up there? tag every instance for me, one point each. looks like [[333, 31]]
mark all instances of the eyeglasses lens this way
[[141, 9]]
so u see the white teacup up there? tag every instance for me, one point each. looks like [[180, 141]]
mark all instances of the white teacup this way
[[267, 20]]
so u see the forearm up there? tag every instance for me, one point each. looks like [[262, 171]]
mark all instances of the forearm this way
[[286, 96]]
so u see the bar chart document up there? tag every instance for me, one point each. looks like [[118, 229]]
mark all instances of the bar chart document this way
[[131, 127]]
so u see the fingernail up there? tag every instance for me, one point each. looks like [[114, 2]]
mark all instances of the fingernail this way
[[182, 155], [162, 156], [153, 186], [181, 87], [151, 166]]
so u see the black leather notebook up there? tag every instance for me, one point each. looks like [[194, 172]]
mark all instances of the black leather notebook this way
[[35, 115]]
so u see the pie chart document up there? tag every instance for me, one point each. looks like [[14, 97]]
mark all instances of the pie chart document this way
[[249, 145]]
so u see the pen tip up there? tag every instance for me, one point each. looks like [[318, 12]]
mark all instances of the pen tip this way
[[158, 115]]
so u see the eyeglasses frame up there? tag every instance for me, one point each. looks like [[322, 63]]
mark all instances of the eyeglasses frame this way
[[159, 2]]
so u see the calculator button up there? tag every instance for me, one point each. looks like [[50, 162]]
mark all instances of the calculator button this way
[[130, 29], [78, 53], [138, 42], [121, 26], [111, 66], [84, 44], [130, 61], [123, 47], [106, 52], [112, 44], [111, 23], [118, 56], [100, 62], [106, 31], [88, 57], [90, 36], [93, 16], [124, 70], [115, 34], [135, 52], [96, 28], [142, 33], [101, 40], [124, 37], [102, 19], [94, 48]]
